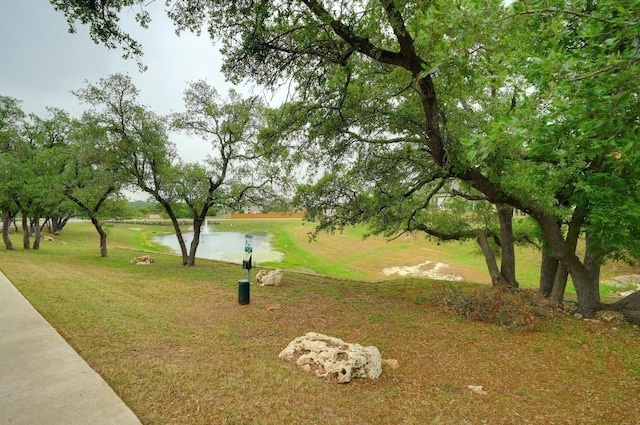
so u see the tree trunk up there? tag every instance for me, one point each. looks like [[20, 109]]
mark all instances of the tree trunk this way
[[26, 241], [507, 245], [593, 259], [588, 295], [559, 285], [562, 274], [46, 225], [57, 223], [629, 306], [497, 279], [36, 229], [197, 229], [630, 302], [548, 268], [103, 236], [586, 289], [6, 223], [176, 226]]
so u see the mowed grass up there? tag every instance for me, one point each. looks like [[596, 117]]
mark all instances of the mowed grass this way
[[176, 346], [348, 254]]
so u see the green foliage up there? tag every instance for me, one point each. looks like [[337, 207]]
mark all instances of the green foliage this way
[[117, 209], [103, 19]]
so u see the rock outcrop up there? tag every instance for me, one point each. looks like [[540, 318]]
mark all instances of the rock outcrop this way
[[624, 285], [272, 278], [144, 259], [332, 358]]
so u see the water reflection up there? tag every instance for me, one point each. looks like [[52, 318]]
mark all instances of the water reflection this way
[[223, 246]]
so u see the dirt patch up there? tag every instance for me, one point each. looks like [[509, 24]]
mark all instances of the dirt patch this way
[[625, 285], [427, 269]]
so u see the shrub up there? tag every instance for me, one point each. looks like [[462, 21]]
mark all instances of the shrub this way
[[508, 308]]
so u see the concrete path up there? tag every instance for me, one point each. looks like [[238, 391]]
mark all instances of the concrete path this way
[[42, 379]]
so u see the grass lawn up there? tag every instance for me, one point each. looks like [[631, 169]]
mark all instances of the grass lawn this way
[[176, 346], [348, 255]]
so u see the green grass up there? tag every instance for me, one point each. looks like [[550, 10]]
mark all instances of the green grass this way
[[349, 255], [299, 253]]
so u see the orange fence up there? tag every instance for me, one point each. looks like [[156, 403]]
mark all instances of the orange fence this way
[[266, 215]]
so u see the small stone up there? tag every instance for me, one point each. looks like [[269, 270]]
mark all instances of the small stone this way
[[392, 363], [478, 389], [142, 260], [578, 316]]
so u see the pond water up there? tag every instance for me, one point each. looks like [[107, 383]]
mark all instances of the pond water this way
[[223, 246]]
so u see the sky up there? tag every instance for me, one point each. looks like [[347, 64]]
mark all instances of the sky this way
[[41, 63]]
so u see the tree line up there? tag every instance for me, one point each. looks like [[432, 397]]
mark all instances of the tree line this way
[[58, 166]]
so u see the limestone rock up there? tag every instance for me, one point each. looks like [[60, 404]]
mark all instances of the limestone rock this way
[[333, 358], [478, 389], [625, 285], [392, 363], [144, 259], [260, 275], [272, 278], [631, 279]]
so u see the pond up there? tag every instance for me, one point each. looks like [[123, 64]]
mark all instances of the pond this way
[[223, 246]]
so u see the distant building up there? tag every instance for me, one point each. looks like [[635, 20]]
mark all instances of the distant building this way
[[154, 215], [253, 209], [440, 198]]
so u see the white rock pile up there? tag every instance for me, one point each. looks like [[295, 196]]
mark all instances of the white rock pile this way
[[272, 278], [332, 358]]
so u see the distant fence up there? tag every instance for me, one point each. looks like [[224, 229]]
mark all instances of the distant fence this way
[[266, 215]]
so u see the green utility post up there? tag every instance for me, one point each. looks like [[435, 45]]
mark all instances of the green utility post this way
[[244, 285]]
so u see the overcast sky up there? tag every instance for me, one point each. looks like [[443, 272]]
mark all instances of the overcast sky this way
[[41, 63]]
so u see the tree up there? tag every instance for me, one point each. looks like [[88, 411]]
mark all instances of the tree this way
[[92, 174], [137, 140], [117, 209], [579, 61], [438, 51], [59, 216], [443, 211], [11, 121], [237, 169], [45, 150]]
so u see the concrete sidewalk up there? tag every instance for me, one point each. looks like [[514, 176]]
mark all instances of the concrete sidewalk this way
[[42, 379]]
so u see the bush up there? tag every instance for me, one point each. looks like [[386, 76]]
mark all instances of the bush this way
[[508, 308]]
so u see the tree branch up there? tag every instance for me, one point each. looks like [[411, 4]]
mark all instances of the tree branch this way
[[360, 44]]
